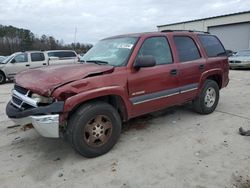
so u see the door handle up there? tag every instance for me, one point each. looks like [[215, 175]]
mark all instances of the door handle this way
[[27, 65], [173, 72], [44, 64], [202, 66]]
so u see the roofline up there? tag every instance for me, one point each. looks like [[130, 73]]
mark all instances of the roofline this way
[[224, 15]]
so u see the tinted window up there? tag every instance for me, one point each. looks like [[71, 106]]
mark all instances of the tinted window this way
[[62, 54], [37, 57], [157, 47], [21, 58], [212, 45], [186, 48]]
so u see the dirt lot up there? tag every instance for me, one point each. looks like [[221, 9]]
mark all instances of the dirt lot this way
[[171, 148]]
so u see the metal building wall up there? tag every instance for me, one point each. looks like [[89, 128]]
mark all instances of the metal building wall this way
[[232, 29], [233, 36]]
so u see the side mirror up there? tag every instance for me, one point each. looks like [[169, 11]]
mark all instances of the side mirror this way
[[145, 61], [13, 60]]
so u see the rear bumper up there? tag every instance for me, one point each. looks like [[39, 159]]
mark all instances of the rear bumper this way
[[45, 119]]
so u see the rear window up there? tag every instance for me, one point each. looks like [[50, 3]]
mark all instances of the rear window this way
[[62, 54], [186, 48], [37, 57], [212, 45]]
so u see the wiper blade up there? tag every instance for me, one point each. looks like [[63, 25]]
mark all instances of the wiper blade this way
[[99, 62], [222, 54]]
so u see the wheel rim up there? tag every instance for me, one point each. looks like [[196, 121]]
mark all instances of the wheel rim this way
[[98, 130], [210, 97]]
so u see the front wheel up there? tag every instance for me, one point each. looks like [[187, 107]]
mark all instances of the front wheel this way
[[208, 99], [94, 129], [2, 78]]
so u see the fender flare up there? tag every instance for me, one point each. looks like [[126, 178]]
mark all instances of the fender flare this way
[[72, 102], [208, 73]]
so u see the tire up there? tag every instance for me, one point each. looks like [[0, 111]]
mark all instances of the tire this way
[[208, 99], [94, 129], [2, 78]]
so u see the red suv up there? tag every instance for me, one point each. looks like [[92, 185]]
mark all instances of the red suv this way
[[122, 77]]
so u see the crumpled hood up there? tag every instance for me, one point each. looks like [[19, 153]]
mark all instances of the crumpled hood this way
[[43, 81]]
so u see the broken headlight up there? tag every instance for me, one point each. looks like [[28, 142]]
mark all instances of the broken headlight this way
[[41, 99]]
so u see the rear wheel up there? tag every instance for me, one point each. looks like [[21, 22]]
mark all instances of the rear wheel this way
[[2, 78], [94, 129], [208, 98]]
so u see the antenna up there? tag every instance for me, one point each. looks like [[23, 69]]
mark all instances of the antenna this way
[[75, 37]]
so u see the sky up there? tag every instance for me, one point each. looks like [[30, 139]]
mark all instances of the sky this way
[[97, 19]]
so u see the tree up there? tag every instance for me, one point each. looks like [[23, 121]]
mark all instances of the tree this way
[[14, 39]]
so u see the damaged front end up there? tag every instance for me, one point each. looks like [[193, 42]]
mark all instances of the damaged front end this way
[[27, 107]]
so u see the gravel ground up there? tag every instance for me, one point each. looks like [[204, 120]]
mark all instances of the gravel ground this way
[[171, 148]]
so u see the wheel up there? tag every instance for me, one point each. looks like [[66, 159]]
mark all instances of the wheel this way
[[94, 129], [208, 99], [2, 78]]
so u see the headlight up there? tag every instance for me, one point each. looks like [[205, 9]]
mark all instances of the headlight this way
[[41, 99]]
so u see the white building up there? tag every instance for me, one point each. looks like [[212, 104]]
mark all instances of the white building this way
[[232, 29]]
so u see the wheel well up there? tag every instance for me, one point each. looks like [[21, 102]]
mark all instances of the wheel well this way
[[2, 72], [114, 100], [217, 78]]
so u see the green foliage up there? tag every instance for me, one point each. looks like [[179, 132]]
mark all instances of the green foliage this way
[[14, 39]]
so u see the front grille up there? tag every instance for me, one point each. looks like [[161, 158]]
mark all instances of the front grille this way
[[17, 101], [235, 61], [21, 98], [20, 89]]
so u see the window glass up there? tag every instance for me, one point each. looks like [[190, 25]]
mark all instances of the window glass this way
[[212, 45], [69, 54], [62, 54], [186, 48], [37, 57], [243, 53], [21, 58], [114, 51], [157, 47]]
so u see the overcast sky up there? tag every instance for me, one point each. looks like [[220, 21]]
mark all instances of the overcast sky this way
[[97, 19]]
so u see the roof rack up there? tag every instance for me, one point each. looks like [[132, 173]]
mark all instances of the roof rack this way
[[193, 31]]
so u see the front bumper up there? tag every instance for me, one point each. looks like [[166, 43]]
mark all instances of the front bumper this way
[[240, 65], [45, 125], [45, 119]]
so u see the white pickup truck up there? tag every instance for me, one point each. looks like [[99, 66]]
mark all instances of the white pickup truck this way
[[21, 61]]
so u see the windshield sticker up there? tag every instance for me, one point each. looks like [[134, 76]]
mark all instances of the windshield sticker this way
[[128, 46]]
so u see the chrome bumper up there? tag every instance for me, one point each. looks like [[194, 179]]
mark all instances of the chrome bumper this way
[[45, 125]]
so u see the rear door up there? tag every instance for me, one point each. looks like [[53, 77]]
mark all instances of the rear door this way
[[154, 88], [37, 60], [191, 65]]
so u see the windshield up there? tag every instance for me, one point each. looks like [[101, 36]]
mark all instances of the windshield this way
[[114, 51], [8, 58], [243, 53]]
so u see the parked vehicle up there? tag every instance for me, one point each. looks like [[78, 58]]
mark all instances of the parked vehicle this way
[[124, 77], [62, 56], [2, 58], [240, 60], [230, 53], [21, 61]]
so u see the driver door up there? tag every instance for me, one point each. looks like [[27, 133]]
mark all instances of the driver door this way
[[154, 88], [17, 64]]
